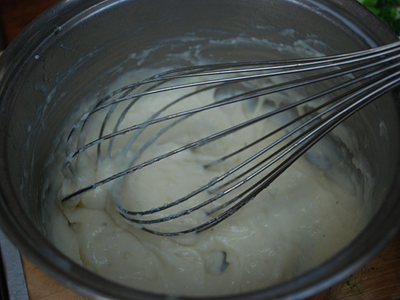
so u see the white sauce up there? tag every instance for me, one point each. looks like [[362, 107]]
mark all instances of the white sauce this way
[[298, 222]]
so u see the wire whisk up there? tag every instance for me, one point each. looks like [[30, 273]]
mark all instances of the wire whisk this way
[[304, 98]]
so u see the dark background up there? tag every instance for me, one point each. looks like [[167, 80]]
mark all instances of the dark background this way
[[16, 14]]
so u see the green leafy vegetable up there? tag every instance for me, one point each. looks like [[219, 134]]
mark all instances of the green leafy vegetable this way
[[387, 10]]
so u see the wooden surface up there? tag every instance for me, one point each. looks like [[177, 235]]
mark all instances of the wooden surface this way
[[42, 287], [380, 279], [16, 14]]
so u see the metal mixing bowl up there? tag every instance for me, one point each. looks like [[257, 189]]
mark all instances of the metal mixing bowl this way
[[76, 46]]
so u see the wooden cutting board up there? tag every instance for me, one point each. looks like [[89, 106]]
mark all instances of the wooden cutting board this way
[[380, 279]]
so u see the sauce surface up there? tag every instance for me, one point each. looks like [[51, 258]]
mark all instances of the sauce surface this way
[[309, 213]]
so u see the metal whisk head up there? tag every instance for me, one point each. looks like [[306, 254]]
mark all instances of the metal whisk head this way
[[303, 99]]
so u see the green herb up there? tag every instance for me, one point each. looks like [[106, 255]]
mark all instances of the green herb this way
[[387, 10]]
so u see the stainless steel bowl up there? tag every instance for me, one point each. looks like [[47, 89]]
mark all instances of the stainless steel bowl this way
[[75, 47]]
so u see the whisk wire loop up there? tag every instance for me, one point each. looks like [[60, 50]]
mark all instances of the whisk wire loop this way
[[361, 77]]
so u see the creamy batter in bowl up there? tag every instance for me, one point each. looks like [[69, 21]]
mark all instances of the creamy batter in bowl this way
[[313, 210], [58, 62]]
